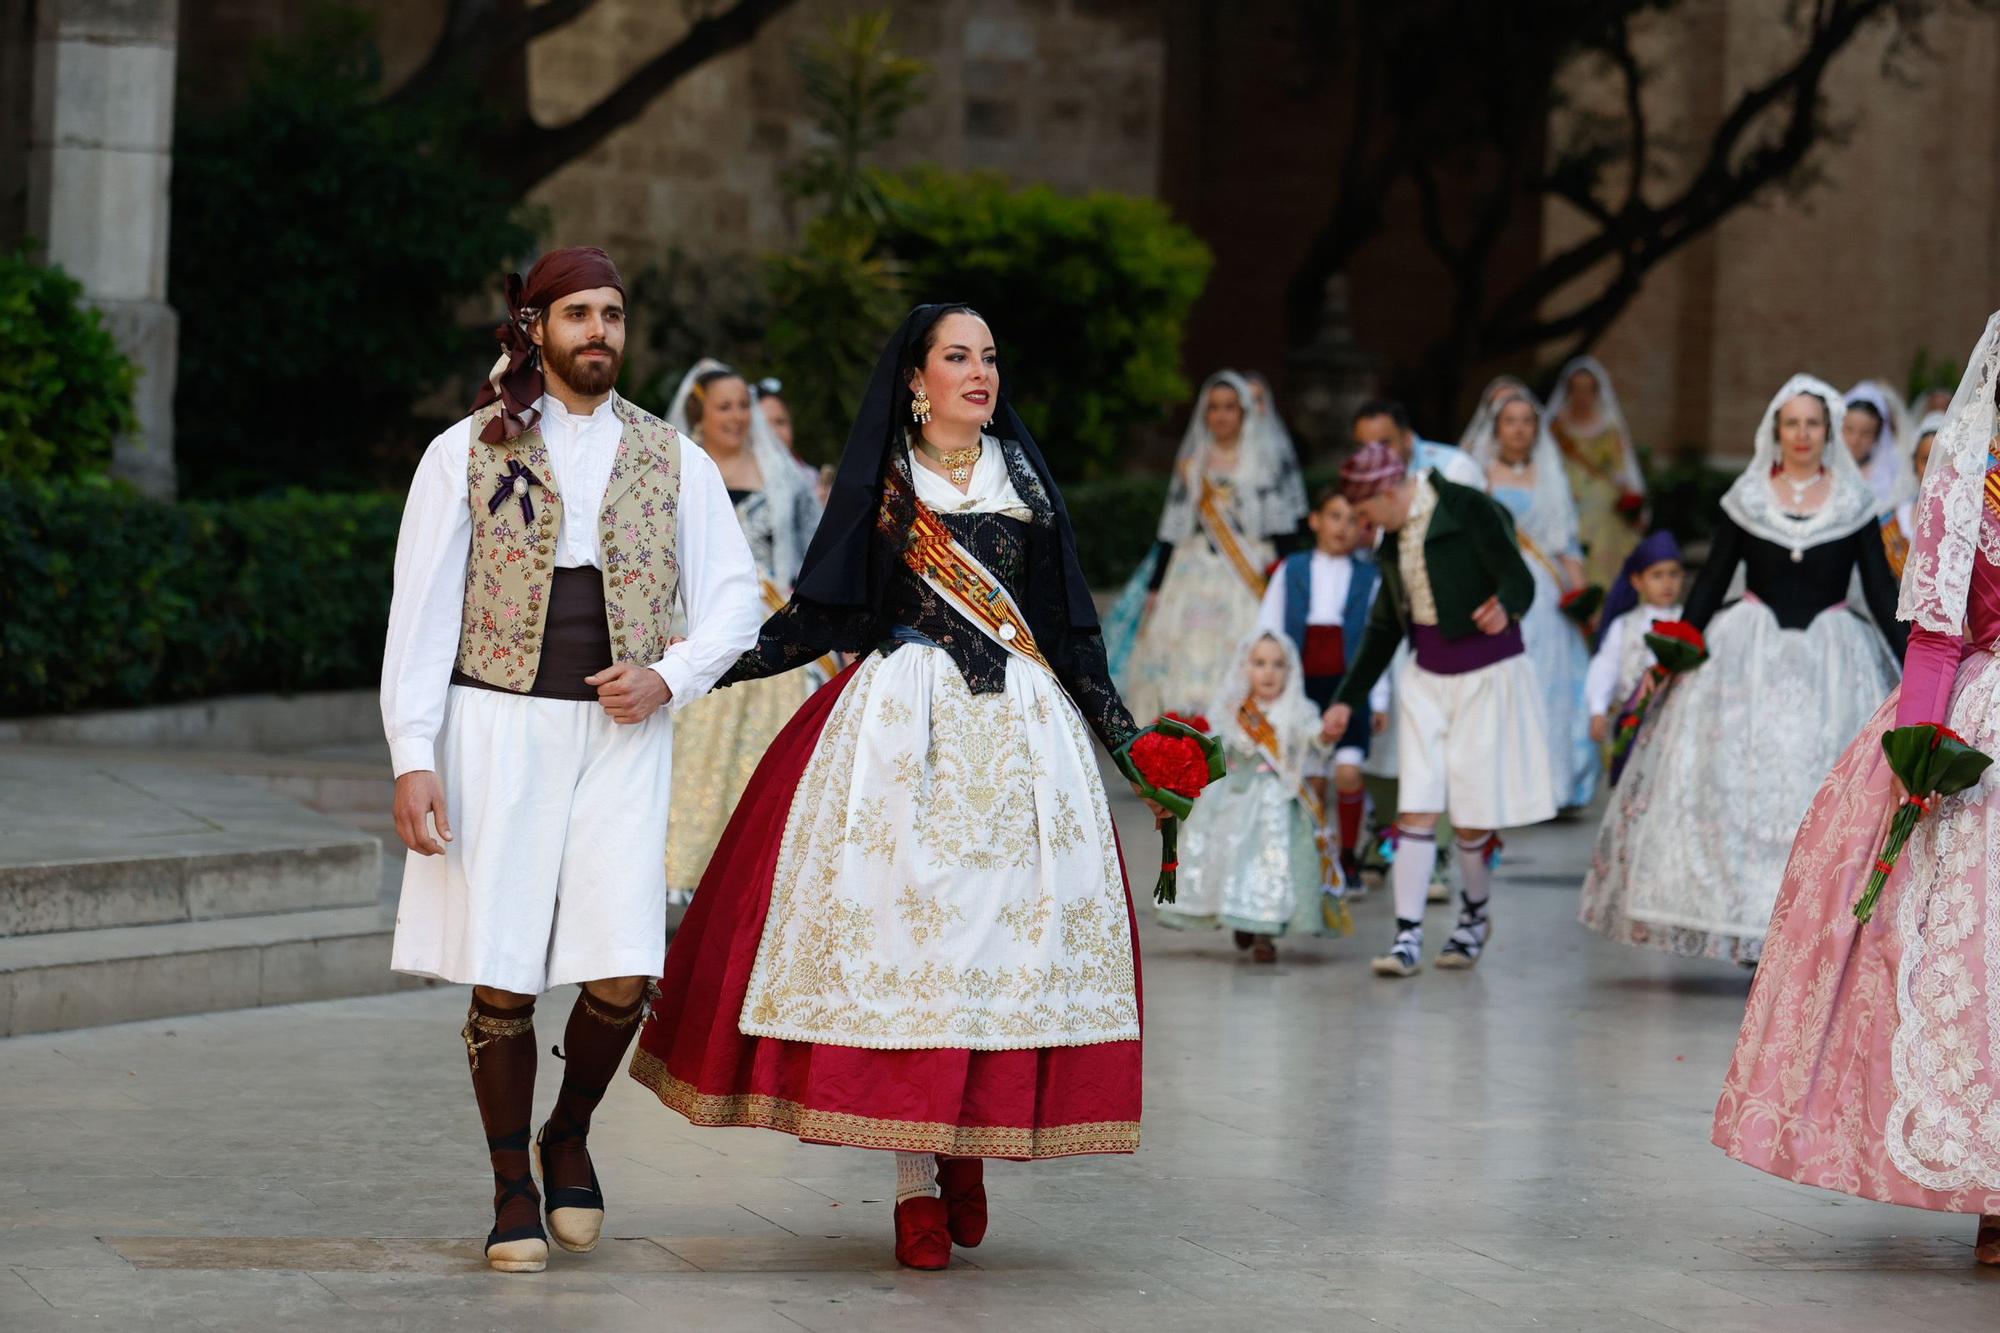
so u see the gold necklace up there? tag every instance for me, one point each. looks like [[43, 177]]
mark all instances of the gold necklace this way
[[957, 464]]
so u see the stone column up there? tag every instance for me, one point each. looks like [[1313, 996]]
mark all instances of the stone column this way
[[100, 156]]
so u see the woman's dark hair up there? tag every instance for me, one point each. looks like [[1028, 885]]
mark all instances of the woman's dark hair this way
[[1874, 414], [1825, 411], [697, 400]]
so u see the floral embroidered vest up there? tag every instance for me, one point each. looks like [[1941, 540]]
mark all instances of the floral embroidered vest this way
[[507, 579]]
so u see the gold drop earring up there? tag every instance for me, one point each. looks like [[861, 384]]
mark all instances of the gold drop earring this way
[[920, 407]]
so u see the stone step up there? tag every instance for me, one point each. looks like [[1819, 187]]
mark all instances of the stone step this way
[[84, 978], [102, 841]]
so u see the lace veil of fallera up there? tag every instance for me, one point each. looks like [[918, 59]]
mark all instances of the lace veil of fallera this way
[[793, 507], [1892, 446], [1270, 493], [1551, 517], [1955, 523], [1482, 413], [1630, 476], [1751, 502], [1291, 714]]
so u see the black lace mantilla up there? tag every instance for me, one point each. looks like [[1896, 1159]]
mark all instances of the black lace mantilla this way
[[1024, 555]]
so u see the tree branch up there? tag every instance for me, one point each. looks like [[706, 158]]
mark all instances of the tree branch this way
[[1642, 235], [530, 153], [553, 14]]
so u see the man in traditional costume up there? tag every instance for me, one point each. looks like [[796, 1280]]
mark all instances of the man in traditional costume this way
[[527, 688], [1470, 740]]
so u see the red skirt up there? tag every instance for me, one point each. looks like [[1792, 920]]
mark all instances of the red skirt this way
[[1053, 1102]]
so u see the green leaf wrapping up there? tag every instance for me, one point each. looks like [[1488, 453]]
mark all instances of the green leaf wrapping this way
[[1931, 762]]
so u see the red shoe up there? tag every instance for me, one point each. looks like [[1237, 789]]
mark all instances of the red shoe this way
[[963, 1180], [922, 1240]]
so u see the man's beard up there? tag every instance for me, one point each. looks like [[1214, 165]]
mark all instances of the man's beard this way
[[590, 377]]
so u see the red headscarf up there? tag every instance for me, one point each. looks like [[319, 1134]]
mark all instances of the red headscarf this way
[[516, 378]]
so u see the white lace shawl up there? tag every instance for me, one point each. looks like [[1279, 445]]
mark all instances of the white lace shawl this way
[[795, 509], [1551, 517], [1954, 524], [1270, 495], [1291, 715], [1889, 472], [1752, 504], [1630, 475]]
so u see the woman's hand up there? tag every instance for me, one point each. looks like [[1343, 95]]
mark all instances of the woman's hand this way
[[1572, 573], [1600, 729], [1160, 814], [1333, 722]]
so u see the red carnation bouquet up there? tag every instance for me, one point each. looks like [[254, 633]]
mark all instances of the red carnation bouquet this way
[[1631, 504], [1678, 647], [1171, 762], [1932, 761], [1580, 604]]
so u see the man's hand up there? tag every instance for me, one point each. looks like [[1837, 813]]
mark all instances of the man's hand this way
[[1491, 617], [631, 694], [1381, 723], [419, 794], [1333, 722], [1600, 728]]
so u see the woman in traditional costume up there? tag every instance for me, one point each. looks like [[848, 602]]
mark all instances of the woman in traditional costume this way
[[1256, 856], [1694, 843], [719, 740], [915, 934], [1524, 472], [1871, 428], [1235, 492], [1603, 466], [1867, 1059], [1899, 525]]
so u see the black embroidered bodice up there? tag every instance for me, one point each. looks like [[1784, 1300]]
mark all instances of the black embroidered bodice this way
[[1024, 554], [1798, 590]]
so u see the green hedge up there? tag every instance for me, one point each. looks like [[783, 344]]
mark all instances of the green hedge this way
[[65, 388], [114, 599]]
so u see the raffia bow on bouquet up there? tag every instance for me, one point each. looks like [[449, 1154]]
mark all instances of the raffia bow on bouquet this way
[[1171, 762], [1932, 761]]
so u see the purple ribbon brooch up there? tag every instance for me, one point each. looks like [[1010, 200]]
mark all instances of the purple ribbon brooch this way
[[514, 485]]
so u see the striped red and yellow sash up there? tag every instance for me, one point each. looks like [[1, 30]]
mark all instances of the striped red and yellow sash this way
[[1264, 736], [828, 666], [1897, 547], [1215, 521], [936, 557]]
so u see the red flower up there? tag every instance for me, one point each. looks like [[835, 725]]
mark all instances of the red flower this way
[[1944, 734], [1680, 629], [1195, 720], [1173, 763], [1630, 502]]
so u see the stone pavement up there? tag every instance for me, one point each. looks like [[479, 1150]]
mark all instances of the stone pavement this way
[[1525, 1146]]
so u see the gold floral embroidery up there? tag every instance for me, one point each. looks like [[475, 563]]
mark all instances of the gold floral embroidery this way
[[894, 712], [991, 927], [1027, 920], [926, 917]]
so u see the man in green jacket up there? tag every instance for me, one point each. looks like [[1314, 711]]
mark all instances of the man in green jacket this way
[[1469, 737]]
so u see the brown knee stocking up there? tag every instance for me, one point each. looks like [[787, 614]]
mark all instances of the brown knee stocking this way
[[500, 1046], [594, 1045]]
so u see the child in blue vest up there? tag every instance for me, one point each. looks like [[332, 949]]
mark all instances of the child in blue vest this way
[[1319, 599]]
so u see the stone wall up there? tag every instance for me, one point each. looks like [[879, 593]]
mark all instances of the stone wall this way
[[1895, 248]]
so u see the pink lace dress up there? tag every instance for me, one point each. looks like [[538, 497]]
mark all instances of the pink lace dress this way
[[1869, 1059]]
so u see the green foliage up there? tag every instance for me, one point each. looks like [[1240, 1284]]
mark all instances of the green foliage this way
[[323, 244], [65, 388], [857, 89], [117, 599], [1928, 372], [1087, 298], [832, 306], [683, 309]]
